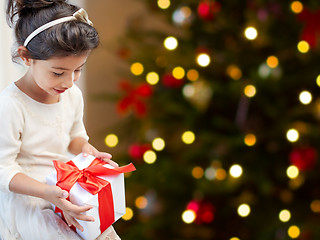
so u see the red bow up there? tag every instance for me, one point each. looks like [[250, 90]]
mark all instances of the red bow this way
[[68, 174]]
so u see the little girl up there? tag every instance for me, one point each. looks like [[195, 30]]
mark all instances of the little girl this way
[[41, 120]]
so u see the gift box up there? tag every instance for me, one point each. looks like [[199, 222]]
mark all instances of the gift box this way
[[91, 181]]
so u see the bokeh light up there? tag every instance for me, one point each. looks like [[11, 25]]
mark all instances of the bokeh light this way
[[149, 157], [188, 216], [296, 7], [284, 215], [152, 78], [250, 91], [141, 202], [292, 135], [170, 43], [111, 140], [164, 4], [188, 137], [292, 172], [193, 75], [251, 33], [158, 144], [234, 72], [178, 72], [303, 46], [315, 206], [244, 210], [250, 139], [272, 61], [128, 215], [197, 172], [137, 68], [294, 231], [203, 59], [305, 97], [235, 171]]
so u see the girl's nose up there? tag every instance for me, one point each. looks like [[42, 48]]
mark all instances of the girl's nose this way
[[69, 82]]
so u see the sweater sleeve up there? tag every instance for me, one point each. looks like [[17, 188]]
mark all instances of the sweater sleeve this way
[[11, 128], [78, 128]]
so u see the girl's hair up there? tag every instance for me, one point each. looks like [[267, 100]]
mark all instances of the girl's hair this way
[[68, 38]]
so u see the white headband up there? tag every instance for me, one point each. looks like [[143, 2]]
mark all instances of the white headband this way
[[80, 15]]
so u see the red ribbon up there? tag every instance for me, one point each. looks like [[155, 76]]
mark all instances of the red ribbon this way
[[311, 29], [68, 174]]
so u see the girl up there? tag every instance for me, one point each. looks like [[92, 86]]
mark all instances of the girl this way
[[41, 120]]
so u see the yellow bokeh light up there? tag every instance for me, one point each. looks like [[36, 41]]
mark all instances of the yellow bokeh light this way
[[292, 172], [244, 210], [197, 172], [235, 170], [141, 202], [250, 91], [188, 216], [221, 174], [192, 75], [234, 72], [170, 43], [296, 7], [137, 68], [111, 140], [305, 97], [178, 72], [292, 135], [158, 144], [294, 232], [303, 46], [149, 157], [203, 59], [164, 4], [128, 215], [251, 33], [315, 206], [234, 238], [284, 215], [272, 61], [250, 139], [318, 80], [188, 137], [152, 78]]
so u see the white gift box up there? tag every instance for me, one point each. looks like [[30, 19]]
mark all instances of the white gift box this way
[[80, 196]]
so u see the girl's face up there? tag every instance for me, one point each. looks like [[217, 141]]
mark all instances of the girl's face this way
[[57, 74]]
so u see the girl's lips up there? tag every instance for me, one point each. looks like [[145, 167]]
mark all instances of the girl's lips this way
[[60, 91]]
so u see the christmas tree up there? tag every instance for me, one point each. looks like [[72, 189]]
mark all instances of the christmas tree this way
[[220, 115]]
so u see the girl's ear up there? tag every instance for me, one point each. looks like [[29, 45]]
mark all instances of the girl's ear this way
[[24, 55]]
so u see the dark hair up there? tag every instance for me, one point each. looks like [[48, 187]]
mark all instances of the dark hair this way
[[68, 38]]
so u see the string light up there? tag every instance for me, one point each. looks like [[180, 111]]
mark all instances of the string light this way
[[203, 59], [141, 202], [250, 91], [158, 144], [296, 7], [272, 61], [111, 140], [305, 97], [235, 171], [210, 173], [170, 43], [188, 216], [294, 231], [197, 172], [234, 72], [292, 135], [149, 157], [234, 238], [152, 78], [244, 210], [318, 80], [221, 174], [250, 140], [128, 215], [251, 33], [188, 137], [292, 172], [178, 72], [164, 4], [303, 46], [137, 68], [192, 75], [315, 206], [284, 215]]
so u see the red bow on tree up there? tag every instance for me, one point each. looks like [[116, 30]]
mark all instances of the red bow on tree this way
[[311, 29], [133, 98]]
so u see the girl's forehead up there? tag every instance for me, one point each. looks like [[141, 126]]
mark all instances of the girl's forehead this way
[[67, 62]]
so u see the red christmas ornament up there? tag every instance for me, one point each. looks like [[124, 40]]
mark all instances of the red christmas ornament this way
[[207, 9], [133, 98], [303, 158], [170, 81], [204, 211], [311, 30], [136, 150]]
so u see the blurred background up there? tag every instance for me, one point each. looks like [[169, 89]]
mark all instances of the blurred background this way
[[217, 105]]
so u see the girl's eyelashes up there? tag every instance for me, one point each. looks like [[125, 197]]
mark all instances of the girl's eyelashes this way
[[57, 74]]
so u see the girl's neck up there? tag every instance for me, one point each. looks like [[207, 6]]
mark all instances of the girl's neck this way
[[27, 85]]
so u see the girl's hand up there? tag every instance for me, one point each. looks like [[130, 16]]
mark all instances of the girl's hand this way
[[71, 212], [87, 148]]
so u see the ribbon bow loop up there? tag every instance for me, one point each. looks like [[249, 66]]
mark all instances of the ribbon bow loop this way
[[82, 16]]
